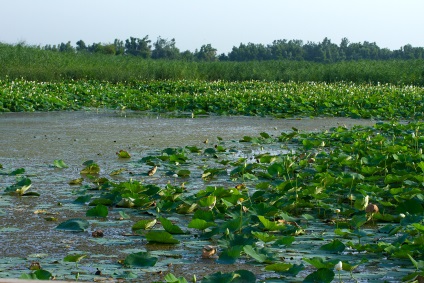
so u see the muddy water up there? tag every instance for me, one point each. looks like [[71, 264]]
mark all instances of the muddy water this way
[[76, 136], [34, 140]]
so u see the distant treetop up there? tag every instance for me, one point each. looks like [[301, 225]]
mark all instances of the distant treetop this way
[[324, 51]]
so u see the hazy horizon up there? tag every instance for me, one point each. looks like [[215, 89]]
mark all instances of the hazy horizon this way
[[223, 24]]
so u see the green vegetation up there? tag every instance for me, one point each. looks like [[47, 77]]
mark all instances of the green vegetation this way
[[34, 64], [324, 51], [296, 209], [382, 101]]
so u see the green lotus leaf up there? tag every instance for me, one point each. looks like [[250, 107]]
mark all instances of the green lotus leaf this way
[[140, 259], [322, 275], [127, 274], [171, 278], [123, 154], [18, 171], [40, 274], [162, 237], [319, 262], [76, 225], [74, 257], [200, 224], [117, 172], [98, 211], [91, 169], [183, 173], [83, 199], [59, 163], [77, 181], [335, 246], [230, 255], [279, 267], [169, 227], [259, 255], [144, 224]]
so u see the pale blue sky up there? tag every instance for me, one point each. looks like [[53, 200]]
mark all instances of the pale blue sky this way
[[222, 23]]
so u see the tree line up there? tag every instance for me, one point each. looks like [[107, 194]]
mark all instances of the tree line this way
[[324, 52]]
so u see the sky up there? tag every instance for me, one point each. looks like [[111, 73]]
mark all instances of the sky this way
[[221, 23]]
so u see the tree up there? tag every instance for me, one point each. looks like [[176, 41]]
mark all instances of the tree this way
[[187, 55], [206, 53], [119, 47], [81, 46], [165, 49], [138, 47], [66, 47]]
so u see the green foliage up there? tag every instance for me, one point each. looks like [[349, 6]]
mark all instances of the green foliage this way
[[140, 259], [253, 98], [98, 211], [34, 64], [75, 225]]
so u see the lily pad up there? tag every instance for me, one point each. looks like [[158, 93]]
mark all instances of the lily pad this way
[[169, 227], [162, 237], [98, 211], [140, 259], [59, 163], [322, 275], [75, 225]]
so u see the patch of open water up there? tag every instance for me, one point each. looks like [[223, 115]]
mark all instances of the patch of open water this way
[[34, 140]]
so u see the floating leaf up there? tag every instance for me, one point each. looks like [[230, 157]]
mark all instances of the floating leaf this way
[[318, 262], [19, 188], [279, 267], [230, 255], [117, 172], [322, 275], [40, 274], [200, 224], [123, 215], [162, 237], [144, 224], [76, 225], [171, 278], [238, 276], [74, 257], [208, 202], [76, 181], [59, 163], [254, 254], [123, 154], [98, 211], [183, 173], [270, 225], [169, 227], [82, 199], [335, 246], [140, 259], [17, 172], [93, 168]]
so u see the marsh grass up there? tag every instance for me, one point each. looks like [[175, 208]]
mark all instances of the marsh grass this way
[[33, 63]]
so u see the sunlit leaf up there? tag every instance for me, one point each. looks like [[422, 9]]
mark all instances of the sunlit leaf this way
[[200, 224], [59, 163], [140, 259], [123, 154], [162, 237], [144, 224], [98, 211], [169, 227], [74, 257]]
